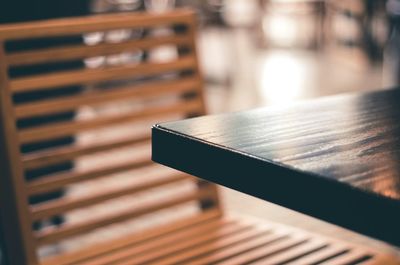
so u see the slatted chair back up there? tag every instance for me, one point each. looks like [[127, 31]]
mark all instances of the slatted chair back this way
[[139, 69]]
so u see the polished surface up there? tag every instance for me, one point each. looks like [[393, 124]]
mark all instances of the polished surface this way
[[335, 158]]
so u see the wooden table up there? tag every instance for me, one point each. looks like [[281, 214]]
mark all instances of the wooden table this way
[[335, 158]]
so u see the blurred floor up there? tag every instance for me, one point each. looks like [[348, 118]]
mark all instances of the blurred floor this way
[[241, 76]]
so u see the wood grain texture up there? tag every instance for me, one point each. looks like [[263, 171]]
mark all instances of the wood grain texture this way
[[67, 128], [66, 204], [47, 237], [210, 238], [85, 51], [50, 157], [135, 238], [139, 92], [335, 158], [76, 77], [68, 26]]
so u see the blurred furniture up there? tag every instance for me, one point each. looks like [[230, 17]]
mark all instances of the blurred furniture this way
[[356, 30], [121, 99], [337, 164]]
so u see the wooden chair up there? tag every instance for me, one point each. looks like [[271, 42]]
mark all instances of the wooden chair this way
[[156, 90]]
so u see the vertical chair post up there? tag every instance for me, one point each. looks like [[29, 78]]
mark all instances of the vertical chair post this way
[[15, 221], [214, 199]]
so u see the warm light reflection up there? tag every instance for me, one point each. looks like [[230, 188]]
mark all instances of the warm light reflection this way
[[280, 29], [282, 78]]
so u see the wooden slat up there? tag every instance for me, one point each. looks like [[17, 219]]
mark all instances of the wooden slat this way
[[137, 251], [192, 31], [86, 76], [97, 250], [219, 243], [239, 249], [293, 253], [48, 237], [86, 51], [143, 91], [56, 181], [67, 153], [321, 255], [184, 245], [69, 26], [67, 128], [352, 256], [264, 251], [65, 204]]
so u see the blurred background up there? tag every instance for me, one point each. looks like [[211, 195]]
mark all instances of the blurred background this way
[[262, 52], [256, 53]]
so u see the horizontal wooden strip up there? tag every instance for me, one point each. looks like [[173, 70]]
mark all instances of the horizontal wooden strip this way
[[144, 91], [263, 251], [57, 155], [67, 128], [220, 243], [180, 246], [352, 257], [48, 237], [78, 25], [86, 51], [133, 252], [65, 204], [239, 249], [85, 76], [315, 258], [292, 254], [56, 181], [135, 238]]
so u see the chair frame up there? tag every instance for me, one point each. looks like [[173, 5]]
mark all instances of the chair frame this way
[[15, 213]]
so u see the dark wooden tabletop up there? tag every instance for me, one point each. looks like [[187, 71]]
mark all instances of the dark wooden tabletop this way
[[335, 158]]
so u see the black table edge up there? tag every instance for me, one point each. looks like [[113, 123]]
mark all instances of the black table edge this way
[[320, 197]]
